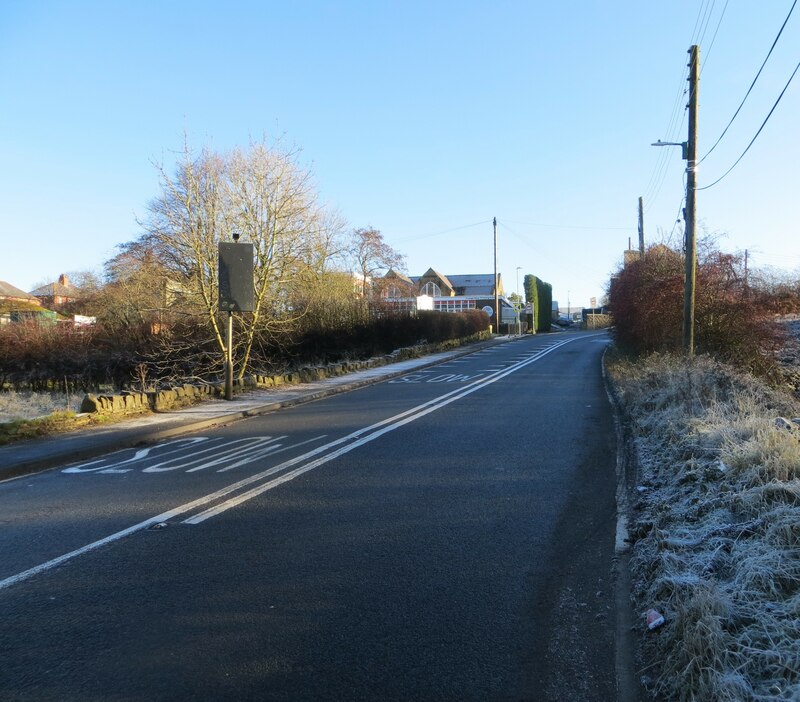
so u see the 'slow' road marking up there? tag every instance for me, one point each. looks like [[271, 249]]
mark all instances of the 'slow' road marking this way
[[140, 455], [210, 453]]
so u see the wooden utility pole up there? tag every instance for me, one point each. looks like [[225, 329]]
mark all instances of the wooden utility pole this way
[[496, 293], [641, 228], [746, 275], [691, 189]]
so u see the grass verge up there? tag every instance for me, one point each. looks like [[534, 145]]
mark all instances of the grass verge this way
[[715, 526], [57, 422]]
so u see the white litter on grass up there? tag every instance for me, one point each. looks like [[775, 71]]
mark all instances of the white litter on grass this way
[[654, 619]]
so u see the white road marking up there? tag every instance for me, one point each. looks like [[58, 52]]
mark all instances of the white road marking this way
[[450, 378], [442, 378], [163, 517], [381, 428], [357, 438], [139, 455], [232, 449], [236, 453]]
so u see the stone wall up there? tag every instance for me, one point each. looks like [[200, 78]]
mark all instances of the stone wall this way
[[128, 402]]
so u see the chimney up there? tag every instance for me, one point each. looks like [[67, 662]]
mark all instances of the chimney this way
[[63, 280]]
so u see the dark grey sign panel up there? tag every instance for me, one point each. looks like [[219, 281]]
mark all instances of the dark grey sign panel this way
[[236, 291]]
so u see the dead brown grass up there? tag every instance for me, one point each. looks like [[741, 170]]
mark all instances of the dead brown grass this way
[[716, 529]]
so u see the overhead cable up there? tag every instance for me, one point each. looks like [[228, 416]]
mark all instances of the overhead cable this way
[[567, 226], [763, 124], [445, 231], [713, 38], [659, 172], [738, 109]]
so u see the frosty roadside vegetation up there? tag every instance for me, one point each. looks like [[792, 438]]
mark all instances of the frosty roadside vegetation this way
[[715, 529], [16, 405]]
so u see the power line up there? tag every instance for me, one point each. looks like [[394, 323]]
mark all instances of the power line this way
[[445, 231], [659, 174], [706, 20], [677, 217], [714, 38], [662, 173], [763, 124], [698, 21], [664, 165], [541, 254], [566, 226], [747, 94]]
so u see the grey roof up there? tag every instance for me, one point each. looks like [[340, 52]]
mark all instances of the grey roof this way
[[54, 290], [470, 284], [400, 276], [8, 290], [473, 284], [464, 285]]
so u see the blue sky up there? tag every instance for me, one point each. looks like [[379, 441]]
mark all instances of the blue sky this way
[[422, 119]]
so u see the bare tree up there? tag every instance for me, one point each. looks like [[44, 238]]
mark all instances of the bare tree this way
[[373, 256], [264, 195], [138, 290]]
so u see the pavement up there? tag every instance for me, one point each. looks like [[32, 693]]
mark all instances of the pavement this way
[[31, 456]]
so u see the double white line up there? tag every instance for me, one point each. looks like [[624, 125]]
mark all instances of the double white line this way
[[307, 462]]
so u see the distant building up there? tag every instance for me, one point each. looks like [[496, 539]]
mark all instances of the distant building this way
[[450, 293], [11, 294], [57, 294], [630, 255], [16, 304]]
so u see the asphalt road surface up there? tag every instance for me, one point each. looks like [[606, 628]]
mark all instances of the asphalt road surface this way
[[444, 535]]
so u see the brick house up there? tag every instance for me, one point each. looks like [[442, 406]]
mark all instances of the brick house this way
[[57, 294]]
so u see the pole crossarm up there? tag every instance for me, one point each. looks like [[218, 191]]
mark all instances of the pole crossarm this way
[[683, 144]]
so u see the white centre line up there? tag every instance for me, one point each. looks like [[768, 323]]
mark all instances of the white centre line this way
[[388, 425], [352, 441]]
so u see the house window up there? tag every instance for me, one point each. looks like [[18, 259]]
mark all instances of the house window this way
[[447, 304], [431, 289], [392, 292]]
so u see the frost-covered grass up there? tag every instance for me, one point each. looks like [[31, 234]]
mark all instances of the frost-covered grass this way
[[29, 405], [716, 529]]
